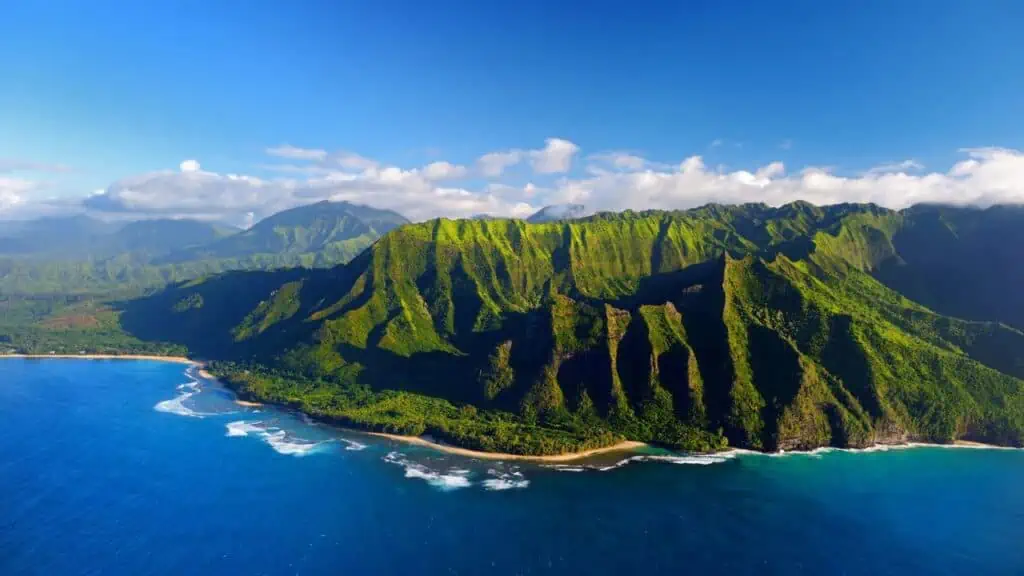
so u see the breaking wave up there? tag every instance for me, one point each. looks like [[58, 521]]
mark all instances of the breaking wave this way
[[282, 441], [453, 479], [818, 452], [242, 428], [352, 444], [505, 480], [566, 468], [692, 459], [177, 405]]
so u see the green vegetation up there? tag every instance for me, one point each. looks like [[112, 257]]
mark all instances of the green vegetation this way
[[70, 325], [397, 412], [750, 326]]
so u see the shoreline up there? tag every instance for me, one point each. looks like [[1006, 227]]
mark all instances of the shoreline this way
[[151, 357], [624, 446]]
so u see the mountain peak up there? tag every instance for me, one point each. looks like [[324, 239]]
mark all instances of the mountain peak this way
[[556, 212]]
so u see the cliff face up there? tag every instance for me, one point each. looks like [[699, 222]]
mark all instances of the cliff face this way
[[757, 327]]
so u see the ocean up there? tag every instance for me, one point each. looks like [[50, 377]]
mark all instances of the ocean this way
[[140, 467]]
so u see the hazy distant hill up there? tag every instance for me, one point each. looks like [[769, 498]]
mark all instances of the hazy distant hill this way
[[66, 237], [325, 232], [82, 254]]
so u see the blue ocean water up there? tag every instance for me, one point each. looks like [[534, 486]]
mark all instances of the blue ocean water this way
[[134, 467]]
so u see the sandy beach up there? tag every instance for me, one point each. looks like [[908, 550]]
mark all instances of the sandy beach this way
[[175, 359], [416, 440]]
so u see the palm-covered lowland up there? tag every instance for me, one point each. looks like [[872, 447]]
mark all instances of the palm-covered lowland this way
[[747, 326]]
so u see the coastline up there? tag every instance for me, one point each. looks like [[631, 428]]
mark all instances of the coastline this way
[[624, 446], [152, 357]]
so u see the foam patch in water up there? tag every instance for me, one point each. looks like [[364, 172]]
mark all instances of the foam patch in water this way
[[177, 405], [242, 428], [453, 479], [352, 445], [505, 480], [280, 440], [692, 459], [566, 468]]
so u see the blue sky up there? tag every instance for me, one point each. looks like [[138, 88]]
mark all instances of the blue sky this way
[[116, 91]]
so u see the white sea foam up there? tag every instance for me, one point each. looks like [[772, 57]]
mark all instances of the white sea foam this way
[[453, 479], [242, 428], [818, 452], [282, 443], [352, 444], [177, 405], [699, 460], [505, 480], [280, 440], [691, 459], [566, 468]]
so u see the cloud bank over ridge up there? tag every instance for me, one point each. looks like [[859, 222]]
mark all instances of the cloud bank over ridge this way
[[513, 182]]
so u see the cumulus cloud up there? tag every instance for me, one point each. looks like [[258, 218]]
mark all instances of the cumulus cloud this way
[[443, 171], [195, 193], [495, 163], [987, 176], [610, 181], [555, 157], [620, 160]]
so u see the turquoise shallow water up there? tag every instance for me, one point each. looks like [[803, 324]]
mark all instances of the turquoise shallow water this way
[[131, 467]]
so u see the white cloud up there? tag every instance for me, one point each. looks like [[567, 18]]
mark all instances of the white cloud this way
[[12, 192], [612, 181], [555, 157], [350, 161], [905, 166], [495, 163], [443, 171], [294, 153], [622, 160], [988, 176], [238, 199]]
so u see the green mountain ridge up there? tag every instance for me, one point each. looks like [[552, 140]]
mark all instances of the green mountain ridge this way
[[749, 326]]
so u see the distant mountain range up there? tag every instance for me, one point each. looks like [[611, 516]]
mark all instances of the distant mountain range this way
[[324, 233], [83, 253]]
